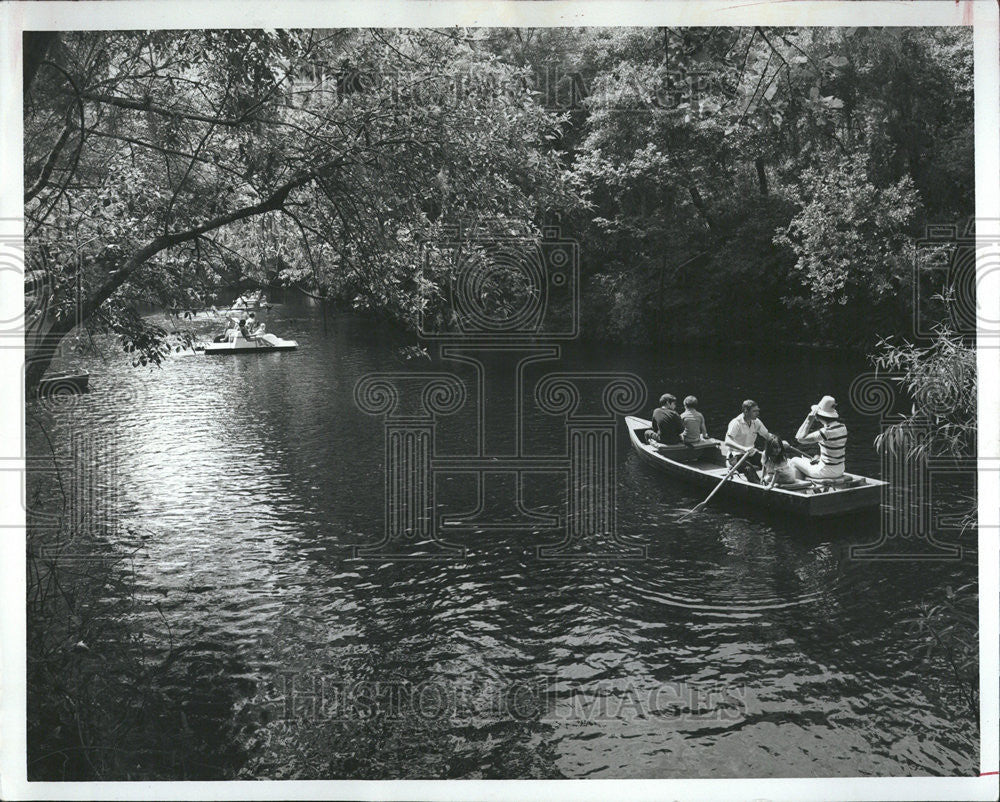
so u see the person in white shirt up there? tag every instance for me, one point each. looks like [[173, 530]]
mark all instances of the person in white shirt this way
[[229, 334], [741, 438]]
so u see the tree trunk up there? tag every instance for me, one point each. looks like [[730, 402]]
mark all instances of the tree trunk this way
[[761, 176], [660, 321], [699, 204], [40, 348], [36, 47]]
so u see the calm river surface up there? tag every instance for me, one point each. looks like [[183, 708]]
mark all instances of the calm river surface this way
[[739, 646]]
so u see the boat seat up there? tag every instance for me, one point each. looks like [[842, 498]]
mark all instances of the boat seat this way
[[680, 449], [802, 484], [686, 454], [840, 483], [675, 448]]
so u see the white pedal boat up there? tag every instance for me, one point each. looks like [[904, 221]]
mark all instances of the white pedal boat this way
[[262, 344]]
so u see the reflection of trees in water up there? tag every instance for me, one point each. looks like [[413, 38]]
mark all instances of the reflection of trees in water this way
[[369, 717], [115, 691]]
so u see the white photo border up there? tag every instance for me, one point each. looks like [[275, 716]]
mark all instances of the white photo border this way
[[17, 16]]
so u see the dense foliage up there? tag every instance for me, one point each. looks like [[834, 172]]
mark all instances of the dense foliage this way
[[736, 177], [715, 178], [163, 167], [941, 379]]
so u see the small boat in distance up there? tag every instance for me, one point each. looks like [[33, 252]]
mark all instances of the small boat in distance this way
[[704, 465], [241, 345], [64, 382], [249, 302]]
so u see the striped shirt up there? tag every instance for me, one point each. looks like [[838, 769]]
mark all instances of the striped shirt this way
[[832, 443]]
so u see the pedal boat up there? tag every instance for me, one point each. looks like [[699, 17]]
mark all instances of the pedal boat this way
[[255, 345]]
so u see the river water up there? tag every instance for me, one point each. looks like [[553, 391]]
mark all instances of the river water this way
[[737, 645]]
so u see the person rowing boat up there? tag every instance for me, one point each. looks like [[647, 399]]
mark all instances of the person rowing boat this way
[[832, 440], [741, 438]]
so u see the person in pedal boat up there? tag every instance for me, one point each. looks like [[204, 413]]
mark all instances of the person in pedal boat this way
[[229, 334], [667, 424], [741, 437], [694, 422], [776, 467], [256, 330], [832, 440]]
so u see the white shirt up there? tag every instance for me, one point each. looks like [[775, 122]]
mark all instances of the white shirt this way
[[744, 433]]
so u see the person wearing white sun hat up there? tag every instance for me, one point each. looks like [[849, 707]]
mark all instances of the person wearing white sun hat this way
[[832, 440]]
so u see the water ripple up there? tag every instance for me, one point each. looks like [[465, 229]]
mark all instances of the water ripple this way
[[740, 647]]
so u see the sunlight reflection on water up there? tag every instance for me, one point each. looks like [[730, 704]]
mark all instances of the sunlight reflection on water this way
[[253, 476]]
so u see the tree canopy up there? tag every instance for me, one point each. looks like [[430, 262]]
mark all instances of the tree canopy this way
[[713, 176], [163, 166]]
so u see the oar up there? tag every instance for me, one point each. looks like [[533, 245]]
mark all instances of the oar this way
[[724, 478], [811, 457]]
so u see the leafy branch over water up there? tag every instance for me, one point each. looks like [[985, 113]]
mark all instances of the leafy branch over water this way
[[940, 377], [949, 633], [941, 380]]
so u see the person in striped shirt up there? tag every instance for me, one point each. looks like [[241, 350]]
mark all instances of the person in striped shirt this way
[[832, 440]]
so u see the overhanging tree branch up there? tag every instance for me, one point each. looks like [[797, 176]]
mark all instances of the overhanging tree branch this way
[[147, 105], [50, 163], [272, 203], [79, 146]]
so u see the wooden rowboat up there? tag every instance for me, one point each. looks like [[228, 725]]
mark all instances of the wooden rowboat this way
[[65, 382], [704, 465]]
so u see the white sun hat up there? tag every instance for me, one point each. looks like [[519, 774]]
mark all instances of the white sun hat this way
[[827, 407]]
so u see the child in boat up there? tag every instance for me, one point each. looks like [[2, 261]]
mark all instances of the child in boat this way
[[694, 422], [777, 469], [256, 329]]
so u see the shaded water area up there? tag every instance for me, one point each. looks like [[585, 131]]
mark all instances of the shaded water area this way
[[741, 644]]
